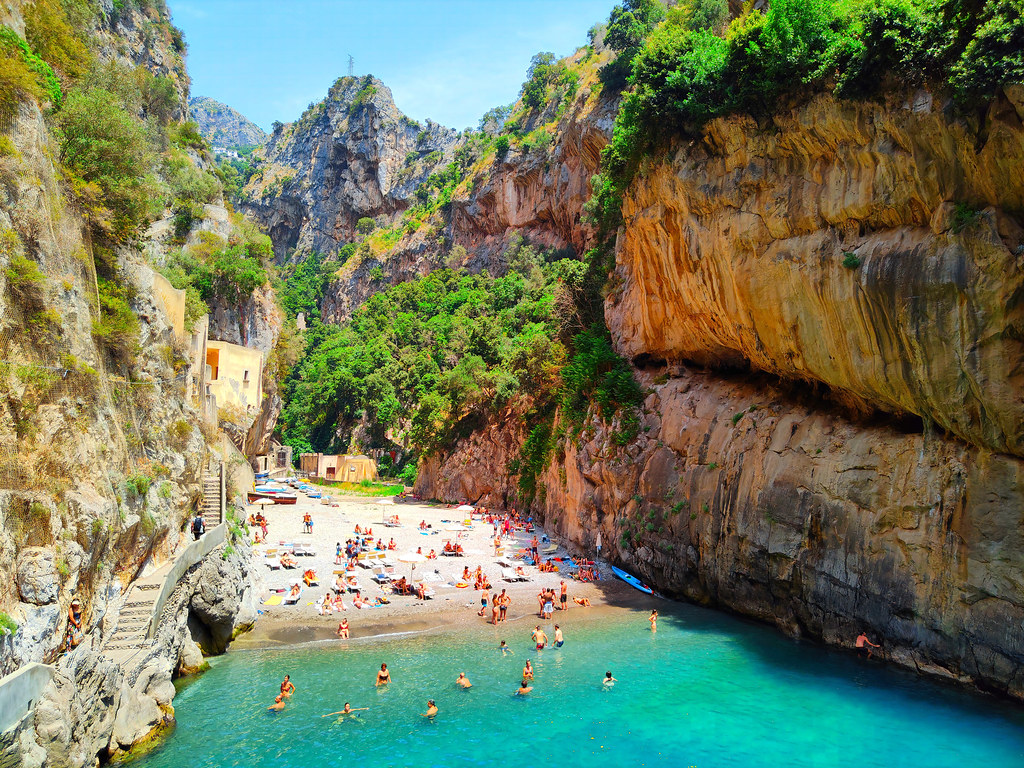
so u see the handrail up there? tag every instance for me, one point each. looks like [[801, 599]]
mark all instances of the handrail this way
[[188, 557]]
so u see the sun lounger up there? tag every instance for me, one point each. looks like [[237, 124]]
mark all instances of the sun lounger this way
[[549, 550], [303, 550], [354, 586], [380, 575], [289, 600]]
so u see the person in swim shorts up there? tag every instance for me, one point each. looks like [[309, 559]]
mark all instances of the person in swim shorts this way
[[563, 598], [483, 603], [540, 638], [278, 704], [558, 637], [505, 602]]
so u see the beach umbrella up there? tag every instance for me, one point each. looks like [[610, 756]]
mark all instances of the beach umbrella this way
[[387, 500], [261, 502], [464, 508], [412, 558]]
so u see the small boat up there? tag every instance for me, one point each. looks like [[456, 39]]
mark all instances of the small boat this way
[[275, 496], [632, 580]]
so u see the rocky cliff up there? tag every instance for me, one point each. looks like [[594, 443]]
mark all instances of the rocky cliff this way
[[826, 318], [102, 450], [223, 126], [351, 156]]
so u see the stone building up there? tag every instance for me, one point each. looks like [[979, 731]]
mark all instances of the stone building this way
[[338, 467]]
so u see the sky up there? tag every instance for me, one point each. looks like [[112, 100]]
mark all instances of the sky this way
[[447, 60]]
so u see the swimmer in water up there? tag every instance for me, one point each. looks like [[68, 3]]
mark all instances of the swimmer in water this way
[[505, 650], [608, 681], [431, 710], [383, 677], [654, 621], [524, 688], [278, 704], [463, 681], [347, 710]]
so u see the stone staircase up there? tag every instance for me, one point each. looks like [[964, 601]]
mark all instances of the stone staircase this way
[[209, 505], [128, 641]]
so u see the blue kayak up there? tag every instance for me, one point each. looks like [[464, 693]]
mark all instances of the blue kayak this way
[[632, 580]]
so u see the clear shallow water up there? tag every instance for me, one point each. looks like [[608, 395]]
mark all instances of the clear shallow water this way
[[707, 690]]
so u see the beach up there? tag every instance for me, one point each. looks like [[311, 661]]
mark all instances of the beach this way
[[451, 606]]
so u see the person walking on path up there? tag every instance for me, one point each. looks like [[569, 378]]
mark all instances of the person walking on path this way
[[198, 526]]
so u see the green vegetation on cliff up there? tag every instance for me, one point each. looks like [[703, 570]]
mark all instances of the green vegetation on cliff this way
[[427, 361], [692, 67]]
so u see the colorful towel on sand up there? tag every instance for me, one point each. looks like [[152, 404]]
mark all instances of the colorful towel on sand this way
[[273, 600]]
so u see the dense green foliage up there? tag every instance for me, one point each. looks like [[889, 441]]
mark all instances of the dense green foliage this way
[[15, 49], [689, 69], [302, 288]]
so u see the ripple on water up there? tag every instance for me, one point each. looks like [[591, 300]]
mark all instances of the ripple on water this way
[[707, 690]]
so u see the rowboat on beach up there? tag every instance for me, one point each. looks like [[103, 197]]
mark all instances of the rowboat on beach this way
[[278, 497]]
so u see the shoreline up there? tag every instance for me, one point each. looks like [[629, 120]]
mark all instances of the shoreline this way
[[281, 626]]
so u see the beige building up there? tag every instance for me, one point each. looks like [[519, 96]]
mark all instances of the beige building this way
[[340, 468], [234, 376]]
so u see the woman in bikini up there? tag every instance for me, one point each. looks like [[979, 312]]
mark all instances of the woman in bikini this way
[[383, 677], [343, 629]]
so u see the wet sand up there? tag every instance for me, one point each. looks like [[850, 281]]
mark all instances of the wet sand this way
[[451, 607]]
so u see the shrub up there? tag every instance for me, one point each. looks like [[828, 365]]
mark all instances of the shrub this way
[[25, 281], [50, 34], [164, 491], [106, 152], [118, 327], [138, 484], [366, 225], [501, 145], [851, 260], [23, 74], [8, 626]]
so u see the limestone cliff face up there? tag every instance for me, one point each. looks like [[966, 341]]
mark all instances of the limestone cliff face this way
[[740, 493], [750, 485], [351, 156], [733, 253]]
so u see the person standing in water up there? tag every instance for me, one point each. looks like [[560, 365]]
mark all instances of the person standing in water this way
[[863, 644], [608, 681], [287, 688], [558, 637], [463, 681], [528, 671], [383, 677], [431, 710], [524, 688], [278, 704], [540, 638], [654, 621]]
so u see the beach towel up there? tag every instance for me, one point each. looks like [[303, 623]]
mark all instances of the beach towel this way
[[273, 600]]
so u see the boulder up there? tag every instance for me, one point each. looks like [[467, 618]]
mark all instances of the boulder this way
[[37, 577]]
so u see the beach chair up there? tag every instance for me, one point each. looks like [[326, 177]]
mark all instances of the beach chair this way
[[428, 592], [380, 575], [363, 560], [271, 553], [301, 550], [289, 600], [354, 586]]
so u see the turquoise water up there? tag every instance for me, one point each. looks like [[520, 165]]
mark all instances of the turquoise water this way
[[707, 690]]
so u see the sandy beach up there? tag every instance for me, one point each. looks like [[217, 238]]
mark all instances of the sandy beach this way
[[290, 624]]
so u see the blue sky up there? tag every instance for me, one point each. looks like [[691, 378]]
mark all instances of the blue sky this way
[[449, 60]]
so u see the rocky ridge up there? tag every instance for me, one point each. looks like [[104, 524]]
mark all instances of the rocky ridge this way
[[223, 126]]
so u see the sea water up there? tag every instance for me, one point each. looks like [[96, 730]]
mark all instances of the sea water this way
[[706, 690]]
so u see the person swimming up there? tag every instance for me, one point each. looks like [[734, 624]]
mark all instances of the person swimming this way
[[505, 650], [347, 710], [383, 677], [524, 688], [608, 681], [278, 704], [463, 681], [431, 710]]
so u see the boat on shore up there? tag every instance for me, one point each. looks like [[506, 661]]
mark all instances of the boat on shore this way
[[276, 496], [632, 580]]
